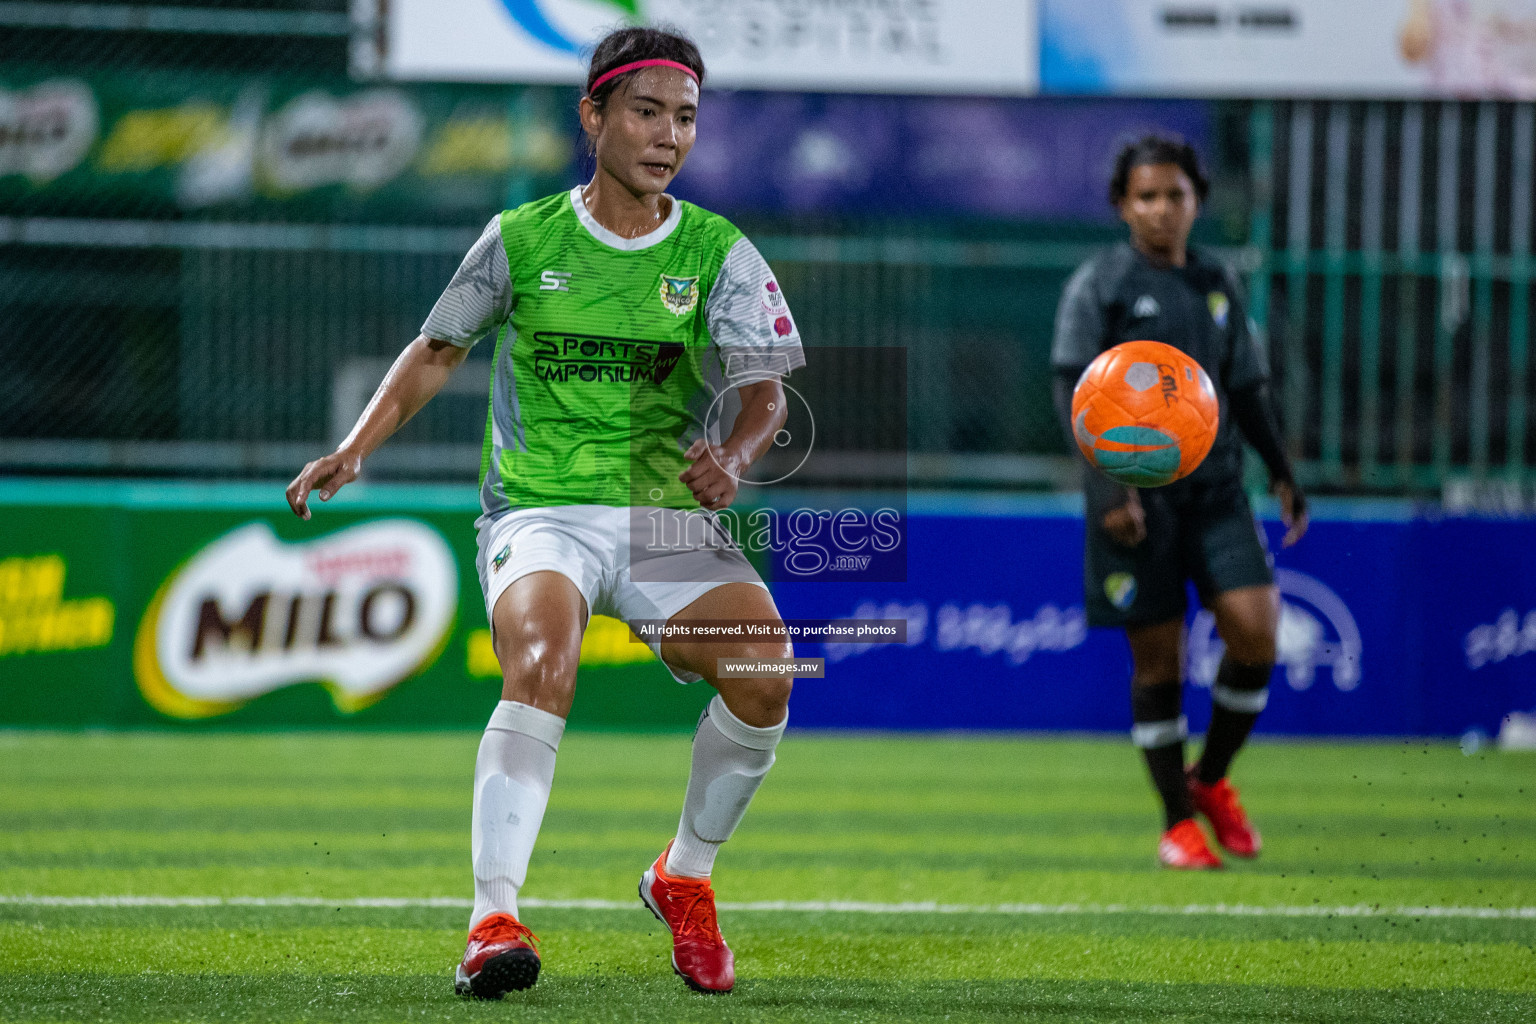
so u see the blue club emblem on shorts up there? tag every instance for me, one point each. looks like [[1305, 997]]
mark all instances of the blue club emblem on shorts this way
[[1120, 588], [501, 557]]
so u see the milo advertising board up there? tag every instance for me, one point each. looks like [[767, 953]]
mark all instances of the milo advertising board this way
[[137, 605], [359, 611], [210, 606]]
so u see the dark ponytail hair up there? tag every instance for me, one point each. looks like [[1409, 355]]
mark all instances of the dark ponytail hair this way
[[627, 45], [1151, 150]]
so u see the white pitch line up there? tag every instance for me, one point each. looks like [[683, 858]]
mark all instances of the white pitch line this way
[[805, 906]]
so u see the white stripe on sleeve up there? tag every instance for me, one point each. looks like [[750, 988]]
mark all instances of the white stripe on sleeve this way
[[479, 297], [749, 319]]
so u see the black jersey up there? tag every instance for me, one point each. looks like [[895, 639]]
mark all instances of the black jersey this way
[[1119, 296]]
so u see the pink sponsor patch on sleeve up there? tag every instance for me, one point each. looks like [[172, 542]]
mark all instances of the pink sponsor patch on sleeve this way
[[773, 299]]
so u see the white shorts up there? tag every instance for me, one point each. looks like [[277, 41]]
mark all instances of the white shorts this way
[[677, 557]]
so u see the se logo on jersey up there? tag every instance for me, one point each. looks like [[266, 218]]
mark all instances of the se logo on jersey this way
[[679, 294]]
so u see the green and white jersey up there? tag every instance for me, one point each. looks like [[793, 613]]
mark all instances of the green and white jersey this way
[[611, 353]]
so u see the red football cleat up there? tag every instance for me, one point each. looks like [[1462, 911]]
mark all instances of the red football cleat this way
[[687, 906], [1218, 802], [501, 958], [1183, 847]]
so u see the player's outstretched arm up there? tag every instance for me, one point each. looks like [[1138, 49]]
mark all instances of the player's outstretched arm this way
[[419, 373], [717, 469]]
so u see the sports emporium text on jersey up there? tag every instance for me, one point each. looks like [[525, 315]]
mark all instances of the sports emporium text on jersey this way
[[559, 358]]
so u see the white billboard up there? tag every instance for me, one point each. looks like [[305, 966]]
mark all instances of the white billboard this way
[[1393, 48], [911, 46]]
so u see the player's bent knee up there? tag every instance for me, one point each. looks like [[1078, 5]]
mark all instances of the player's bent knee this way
[[770, 650], [1155, 672], [1140, 679], [1253, 653], [1247, 621], [767, 693], [760, 701], [1254, 646], [1157, 652], [766, 690], [536, 669]]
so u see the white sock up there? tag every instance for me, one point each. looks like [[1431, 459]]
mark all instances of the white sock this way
[[730, 759], [513, 773]]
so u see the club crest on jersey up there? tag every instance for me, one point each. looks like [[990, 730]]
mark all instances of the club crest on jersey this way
[[679, 294], [1219, 305], [1145, 306]]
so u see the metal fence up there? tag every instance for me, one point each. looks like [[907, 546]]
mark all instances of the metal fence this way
[[229, 348], [1388, 247], [137, 337], [1395, 280]]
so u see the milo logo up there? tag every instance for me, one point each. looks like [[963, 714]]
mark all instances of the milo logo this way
[[357, 612]]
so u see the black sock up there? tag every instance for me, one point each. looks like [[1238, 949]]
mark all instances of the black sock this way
[[1240, 693], [1159, 732]]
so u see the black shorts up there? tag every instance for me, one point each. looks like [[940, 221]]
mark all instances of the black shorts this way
[[1209, 540]]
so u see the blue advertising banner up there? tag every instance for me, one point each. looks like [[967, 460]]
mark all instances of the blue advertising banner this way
[[1474, 641], [1392, 624], [1027, 158], [214, 607]]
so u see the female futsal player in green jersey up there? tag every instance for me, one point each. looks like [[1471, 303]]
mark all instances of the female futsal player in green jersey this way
[[621, 316]]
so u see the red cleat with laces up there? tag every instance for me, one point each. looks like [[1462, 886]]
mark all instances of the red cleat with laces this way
[[1219, 803], [687, 906], [501, 958], [1183, 847]]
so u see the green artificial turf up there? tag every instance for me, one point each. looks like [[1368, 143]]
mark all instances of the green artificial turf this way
[[1040, 850]]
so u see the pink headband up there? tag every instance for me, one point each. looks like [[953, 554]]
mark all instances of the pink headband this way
[[622, 68]]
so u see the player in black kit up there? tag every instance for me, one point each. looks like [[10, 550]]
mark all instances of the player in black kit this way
[[1143, 545]]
